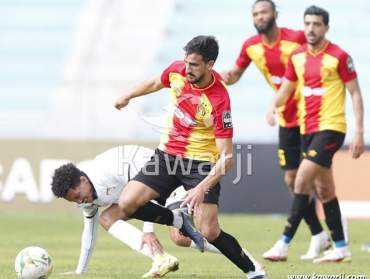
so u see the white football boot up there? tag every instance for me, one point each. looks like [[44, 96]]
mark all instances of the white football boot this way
[[259, 272], [278, 252], [318, 243], [162, 264], [336, 255]]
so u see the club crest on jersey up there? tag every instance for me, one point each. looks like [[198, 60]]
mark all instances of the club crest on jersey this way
[[350, 64], [227, 120]]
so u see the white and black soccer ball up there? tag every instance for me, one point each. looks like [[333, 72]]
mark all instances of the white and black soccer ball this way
[[33, 263]]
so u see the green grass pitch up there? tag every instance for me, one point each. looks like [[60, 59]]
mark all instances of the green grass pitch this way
[[58, 230]]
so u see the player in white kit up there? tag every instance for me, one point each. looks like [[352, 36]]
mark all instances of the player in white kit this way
[[98, 184]]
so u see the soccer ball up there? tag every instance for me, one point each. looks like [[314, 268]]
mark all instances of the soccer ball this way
[[33, 263]]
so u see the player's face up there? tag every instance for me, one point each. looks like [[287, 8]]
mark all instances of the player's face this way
[[314, 29], [196, 68], [82, 193], [264, 16]]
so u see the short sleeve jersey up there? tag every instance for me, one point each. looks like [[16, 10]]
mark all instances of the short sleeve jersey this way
[[272, 60], [196, 116], [321, 81]]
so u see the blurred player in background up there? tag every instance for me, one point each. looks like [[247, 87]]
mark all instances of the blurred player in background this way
[[322, 71], [269, 50], [195, 150]]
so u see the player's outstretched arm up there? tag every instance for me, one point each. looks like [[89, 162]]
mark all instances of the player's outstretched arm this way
[[232, 76], [357, 144], [144, 88], [88, 239]]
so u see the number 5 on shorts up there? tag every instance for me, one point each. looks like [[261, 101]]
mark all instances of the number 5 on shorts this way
[[282, 159]]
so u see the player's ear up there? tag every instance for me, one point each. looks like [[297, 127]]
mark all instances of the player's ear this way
[[83, 179], [210, 64]]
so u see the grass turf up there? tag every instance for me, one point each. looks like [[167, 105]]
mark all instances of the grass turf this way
[[59, 232]]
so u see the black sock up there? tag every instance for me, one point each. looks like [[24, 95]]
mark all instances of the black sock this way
[[311, 218], [151, 212], [230, 247], [298, 210], [334, 220]]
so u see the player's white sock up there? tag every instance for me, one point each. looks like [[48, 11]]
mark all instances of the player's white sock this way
[[208, 247], [131, 236], [177, 219]]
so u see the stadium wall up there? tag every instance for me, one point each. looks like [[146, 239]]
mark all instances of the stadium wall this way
[[254, 185]]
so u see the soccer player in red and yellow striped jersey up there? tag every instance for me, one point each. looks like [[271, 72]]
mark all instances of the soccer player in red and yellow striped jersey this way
[[322, 72], [270, 50], [195, 151]]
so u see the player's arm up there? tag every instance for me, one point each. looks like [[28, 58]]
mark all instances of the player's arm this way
[[88, 240], [357, 145], [280, 98], [225, 161], [144, 88], [232, 76]]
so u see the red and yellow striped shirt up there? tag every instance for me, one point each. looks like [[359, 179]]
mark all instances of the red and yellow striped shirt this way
[[321, 82], [196, 117], [272, 60]]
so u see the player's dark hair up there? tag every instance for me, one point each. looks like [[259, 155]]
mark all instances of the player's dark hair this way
[[272, 3], [206, 46], [314, 10], [65, 177]]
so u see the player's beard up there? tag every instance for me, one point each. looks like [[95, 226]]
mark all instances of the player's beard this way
[[316, 41], [265, 28], [195, 79]]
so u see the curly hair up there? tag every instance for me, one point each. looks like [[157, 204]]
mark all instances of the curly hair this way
[[65, 177]]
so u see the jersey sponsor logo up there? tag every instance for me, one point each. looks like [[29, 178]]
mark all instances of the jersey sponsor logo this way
[[282, 158], [184, 117], [276, 80], [227, 120], [308, 91], [350, 65]]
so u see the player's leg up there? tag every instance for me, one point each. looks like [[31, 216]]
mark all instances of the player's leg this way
[[289, 159], [173, 203], [111, 220], [152, 182], [207, 221], [306, 174], [333, 218]]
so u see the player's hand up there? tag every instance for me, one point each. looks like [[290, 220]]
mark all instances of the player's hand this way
[[271, 116], [193, 199], [122, 102], [153, 243], [69, 273], [226, 76], [357, 146]]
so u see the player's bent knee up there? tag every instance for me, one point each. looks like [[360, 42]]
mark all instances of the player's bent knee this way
[[325, 194], [127, 207], [179, 239], [210, 232]]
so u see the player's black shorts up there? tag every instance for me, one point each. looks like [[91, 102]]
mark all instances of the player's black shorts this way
[[164, 173], [320, 147], [289, 152]]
